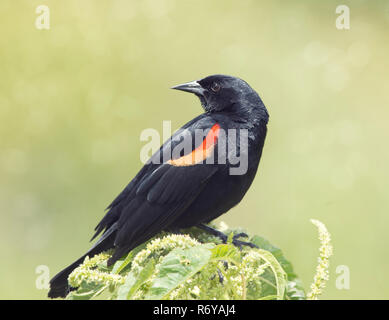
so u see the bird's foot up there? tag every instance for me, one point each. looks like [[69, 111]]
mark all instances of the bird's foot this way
[[240, 244], [224, 238]]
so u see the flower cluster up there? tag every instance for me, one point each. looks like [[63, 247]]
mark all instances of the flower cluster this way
[[159, 247], [88, 272], [198, 271], [322, 269]]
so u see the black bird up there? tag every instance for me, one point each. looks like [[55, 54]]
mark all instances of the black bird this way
[[190, 181]]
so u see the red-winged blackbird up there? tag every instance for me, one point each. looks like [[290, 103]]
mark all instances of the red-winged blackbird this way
[[187, 184]]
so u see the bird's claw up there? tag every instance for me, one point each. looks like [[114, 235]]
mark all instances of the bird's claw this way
[[240, 244], [240, 235]]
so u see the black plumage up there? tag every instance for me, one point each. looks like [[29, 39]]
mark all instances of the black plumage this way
[[169, 194]]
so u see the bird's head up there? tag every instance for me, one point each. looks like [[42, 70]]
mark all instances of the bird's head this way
[[222, 93]]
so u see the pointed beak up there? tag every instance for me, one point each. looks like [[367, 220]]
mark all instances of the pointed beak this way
[[193, 87]]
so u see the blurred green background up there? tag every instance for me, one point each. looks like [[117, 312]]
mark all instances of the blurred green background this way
[[74, 100]]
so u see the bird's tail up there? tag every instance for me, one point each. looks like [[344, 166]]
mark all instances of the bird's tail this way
[[59, 287]]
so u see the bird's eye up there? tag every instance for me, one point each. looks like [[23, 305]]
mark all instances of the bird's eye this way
[[215, 87]]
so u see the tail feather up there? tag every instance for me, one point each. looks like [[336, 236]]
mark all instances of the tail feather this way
[[59, 286]]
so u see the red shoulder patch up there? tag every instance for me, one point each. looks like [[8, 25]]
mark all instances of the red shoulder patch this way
[[202, 152]]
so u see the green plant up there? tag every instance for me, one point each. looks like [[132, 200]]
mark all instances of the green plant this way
[[197, 266]]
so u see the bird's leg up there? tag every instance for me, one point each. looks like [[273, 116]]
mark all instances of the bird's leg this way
[[223, 237]]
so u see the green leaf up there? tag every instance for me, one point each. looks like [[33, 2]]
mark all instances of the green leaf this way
[[275, 278], [278, 272], [176, 267], [230, 238], [295, 290], [277, 253], [270, 297], [226, 252], [133, 283], [86, 291], [122, 264]]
